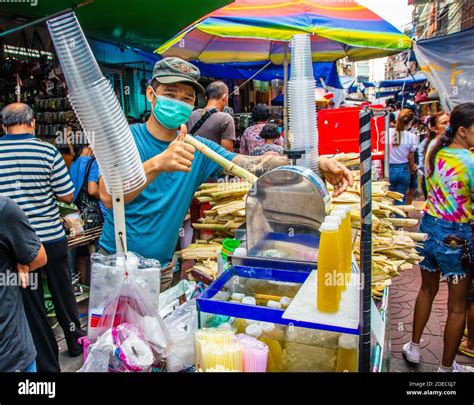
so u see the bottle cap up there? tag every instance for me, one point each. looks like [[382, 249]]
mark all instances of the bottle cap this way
[[285, 301], [347, 208], [254, 330], [334, 219], [240, 251], [249, 300], [328, 226], [273, 304], [237, 296], [339, 213], [267, 326], [348, 341]]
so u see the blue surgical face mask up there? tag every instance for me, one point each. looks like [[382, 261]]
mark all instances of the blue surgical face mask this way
[[171, 113]]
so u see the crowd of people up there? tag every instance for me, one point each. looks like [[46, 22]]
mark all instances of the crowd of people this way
[[34, 176], [444, 162]]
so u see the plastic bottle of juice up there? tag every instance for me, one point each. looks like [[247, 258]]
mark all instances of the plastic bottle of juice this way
[[344, 214], [335, 219], [347, 360], [329, 258]]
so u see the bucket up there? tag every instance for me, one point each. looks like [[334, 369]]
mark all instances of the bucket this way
[[228, 247]]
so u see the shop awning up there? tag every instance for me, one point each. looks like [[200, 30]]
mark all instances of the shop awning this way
[[408, 81], [144, 24]]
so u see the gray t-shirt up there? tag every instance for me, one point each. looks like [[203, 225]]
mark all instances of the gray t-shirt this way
[[18, 244], [218, 126]]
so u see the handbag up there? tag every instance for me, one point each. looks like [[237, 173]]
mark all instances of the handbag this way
[[88, 205]]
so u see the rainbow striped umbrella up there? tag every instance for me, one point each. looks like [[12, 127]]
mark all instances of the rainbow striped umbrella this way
[[257, 30]]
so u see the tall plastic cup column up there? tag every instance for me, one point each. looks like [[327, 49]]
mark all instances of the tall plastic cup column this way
[[301, 101], [100, 115]]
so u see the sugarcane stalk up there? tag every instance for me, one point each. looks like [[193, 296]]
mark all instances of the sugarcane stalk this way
[[403, 221], [407, 208], [221, 161], [416, 236], [214, 227]]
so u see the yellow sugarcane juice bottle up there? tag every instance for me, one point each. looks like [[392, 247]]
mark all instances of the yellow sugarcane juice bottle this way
[[347, 359], [335, 219], [344, 214], [329, 262]]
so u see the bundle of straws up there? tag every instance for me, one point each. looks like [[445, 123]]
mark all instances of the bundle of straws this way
[[255, 354], [217, 350]]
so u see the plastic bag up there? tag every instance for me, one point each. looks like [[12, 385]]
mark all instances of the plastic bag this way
[[107, 276], [100, 353], [74, 223], [128, 329], [182, 324], [172, 298]]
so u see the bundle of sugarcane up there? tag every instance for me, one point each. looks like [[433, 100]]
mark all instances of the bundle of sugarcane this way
[[200, 251], [227, 211], [393, 250], [207, 267]]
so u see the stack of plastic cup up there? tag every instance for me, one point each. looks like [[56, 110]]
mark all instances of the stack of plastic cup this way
[[97, 108], [301, 101]]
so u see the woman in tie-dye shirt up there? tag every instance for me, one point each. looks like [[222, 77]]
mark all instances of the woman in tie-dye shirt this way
[[448, 213]]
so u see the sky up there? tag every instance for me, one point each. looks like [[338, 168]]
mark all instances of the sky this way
[[397, 13]]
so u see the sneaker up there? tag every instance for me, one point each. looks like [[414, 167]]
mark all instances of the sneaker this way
[[411, 353], [456, 368]]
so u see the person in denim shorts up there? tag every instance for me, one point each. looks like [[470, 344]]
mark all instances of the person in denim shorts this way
[[403, 145], [467, 343], [447, 217]]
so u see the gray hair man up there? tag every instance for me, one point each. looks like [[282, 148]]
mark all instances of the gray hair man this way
[[33, 174]]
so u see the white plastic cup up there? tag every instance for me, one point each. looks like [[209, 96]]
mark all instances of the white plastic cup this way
[[97, 108]]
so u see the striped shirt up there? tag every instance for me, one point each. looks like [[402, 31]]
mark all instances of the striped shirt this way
[[33, 173]]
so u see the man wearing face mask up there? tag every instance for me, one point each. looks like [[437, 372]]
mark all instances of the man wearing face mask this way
[[212, 122], [174, 169]]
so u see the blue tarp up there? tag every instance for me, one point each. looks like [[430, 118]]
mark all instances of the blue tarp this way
[[243, 71], [417, 78], [448, 62]]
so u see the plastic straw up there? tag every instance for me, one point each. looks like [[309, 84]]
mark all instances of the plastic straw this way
[[255, 354]]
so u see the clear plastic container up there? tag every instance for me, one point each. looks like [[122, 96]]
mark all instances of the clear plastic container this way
[[301, 102], [97, 108]]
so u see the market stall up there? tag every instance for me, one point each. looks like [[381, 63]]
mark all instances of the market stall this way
[[268, 306]]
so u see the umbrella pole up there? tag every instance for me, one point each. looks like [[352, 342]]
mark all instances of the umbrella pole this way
[[285, 90]]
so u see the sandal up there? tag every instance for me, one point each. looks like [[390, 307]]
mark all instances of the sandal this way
[[463, 349]]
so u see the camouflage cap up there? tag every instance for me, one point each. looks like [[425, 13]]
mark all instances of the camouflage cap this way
[[176, 70]]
